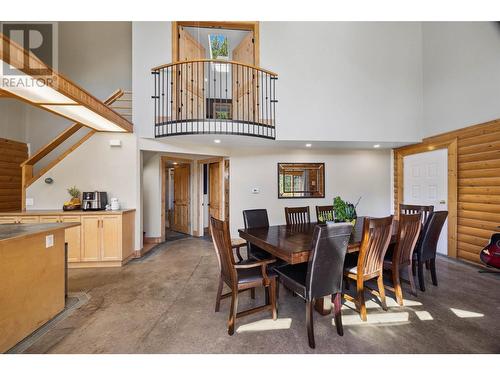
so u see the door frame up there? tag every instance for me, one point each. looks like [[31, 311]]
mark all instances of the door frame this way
[[220, 160], [238, 25], [163, 176], [430, 145]]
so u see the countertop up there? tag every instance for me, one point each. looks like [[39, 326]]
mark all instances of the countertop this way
[[16, 231], [61, 212]]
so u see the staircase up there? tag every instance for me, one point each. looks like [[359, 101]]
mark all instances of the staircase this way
[[120, 101]]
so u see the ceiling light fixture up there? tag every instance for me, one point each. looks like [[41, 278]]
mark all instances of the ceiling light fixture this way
[[308, 145], [376, 146], [216, 140]]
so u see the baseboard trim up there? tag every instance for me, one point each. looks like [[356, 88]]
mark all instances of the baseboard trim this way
[[155, 240]]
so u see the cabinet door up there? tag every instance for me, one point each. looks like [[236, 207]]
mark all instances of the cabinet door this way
[[111, 237], [49, 219], [91, 244], [8, 220], [72, 238], [29, 219]]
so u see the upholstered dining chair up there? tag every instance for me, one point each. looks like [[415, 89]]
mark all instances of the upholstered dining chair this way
[[425, 251], [408, 232], [297, 215], [322, 275], [324, 214], [239, 277], [367, 264], [256, 218]]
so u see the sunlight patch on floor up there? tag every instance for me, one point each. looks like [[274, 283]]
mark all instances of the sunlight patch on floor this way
[[373, 304], [265, 325], [466, 314], [424, 315], [382, 318]]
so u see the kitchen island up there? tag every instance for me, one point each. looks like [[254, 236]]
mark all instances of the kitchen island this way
[[32, 278]]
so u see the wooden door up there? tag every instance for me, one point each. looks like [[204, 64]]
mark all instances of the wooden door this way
[[111, 237], [245, 93], [181, 198], [215, 192], [425, 177], [188, 91], [72, 238], [91, 242]]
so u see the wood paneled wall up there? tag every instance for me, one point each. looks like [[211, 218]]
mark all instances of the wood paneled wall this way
[[12, 154], [477, 180]]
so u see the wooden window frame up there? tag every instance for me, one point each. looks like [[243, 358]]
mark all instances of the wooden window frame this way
[[452, 146], [238, 25]]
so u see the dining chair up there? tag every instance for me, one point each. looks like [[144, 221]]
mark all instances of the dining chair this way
[[408, 232], [239, 277], [297, 215], [426, 248], [324, 214], [256, 218], [322, 275], [410, 209], [367, 264]]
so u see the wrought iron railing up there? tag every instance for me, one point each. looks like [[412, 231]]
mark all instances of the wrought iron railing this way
[[214, 97]]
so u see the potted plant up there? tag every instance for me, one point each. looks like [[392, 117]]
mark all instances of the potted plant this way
[[345, 211], [74, 203]]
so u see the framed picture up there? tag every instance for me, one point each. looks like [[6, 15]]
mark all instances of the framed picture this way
[[301, 180]]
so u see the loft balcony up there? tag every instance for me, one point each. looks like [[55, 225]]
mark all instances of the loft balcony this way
[[214, 97]]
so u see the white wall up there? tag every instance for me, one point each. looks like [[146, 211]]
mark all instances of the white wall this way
[[12, 120], [350, 174], [461, 74], [345, 81]]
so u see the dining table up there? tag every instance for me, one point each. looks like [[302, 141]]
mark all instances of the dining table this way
[[292, 244]]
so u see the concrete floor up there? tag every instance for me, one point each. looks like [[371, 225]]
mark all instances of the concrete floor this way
[[164, 303]]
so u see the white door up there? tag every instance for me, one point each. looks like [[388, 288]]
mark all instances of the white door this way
[[426, 183]]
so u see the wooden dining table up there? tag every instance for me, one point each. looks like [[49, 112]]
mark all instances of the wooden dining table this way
[[292, 243]]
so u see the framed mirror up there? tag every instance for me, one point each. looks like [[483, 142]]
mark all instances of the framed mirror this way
[[301, 180]]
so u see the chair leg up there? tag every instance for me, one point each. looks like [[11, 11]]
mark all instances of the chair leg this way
[[396, 282], [337, 306], [411, 277], [346, 283], [266, 295], [219, 293], [421, 279], [310, 324], [232, 312], [427, 264], [272, 297], [252, 293], [360, 298], [433, 271], [381, 291]]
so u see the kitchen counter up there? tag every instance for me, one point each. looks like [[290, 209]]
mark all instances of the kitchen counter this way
[[16, 231], [61, 212]]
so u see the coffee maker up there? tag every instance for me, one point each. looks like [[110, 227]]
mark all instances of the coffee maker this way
[[94, 200]]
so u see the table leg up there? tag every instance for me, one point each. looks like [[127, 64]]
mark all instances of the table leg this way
[[324, 305]]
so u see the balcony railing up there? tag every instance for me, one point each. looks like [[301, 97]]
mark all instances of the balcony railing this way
[[214, 97]]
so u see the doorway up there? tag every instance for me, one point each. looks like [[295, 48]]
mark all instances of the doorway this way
[[426, 183], [213, 200]]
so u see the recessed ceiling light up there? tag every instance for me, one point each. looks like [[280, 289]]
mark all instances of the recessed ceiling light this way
[[308, 145], [376, 146], [175, 163], [216, 140]]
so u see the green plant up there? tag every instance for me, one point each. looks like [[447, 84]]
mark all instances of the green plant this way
[[74, 192], [344, 211], [325, 216]]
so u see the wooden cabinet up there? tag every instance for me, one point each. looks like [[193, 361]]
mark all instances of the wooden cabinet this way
[[102, 239]]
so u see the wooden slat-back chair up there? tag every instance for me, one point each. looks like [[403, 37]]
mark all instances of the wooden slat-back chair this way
[[297, 215], [411, 209], [368, 263], [326, 213], [408, 231], [239, 277]]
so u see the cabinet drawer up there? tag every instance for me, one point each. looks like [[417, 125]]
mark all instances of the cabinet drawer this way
[[8, 220], [49, 219], [28, 219]]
